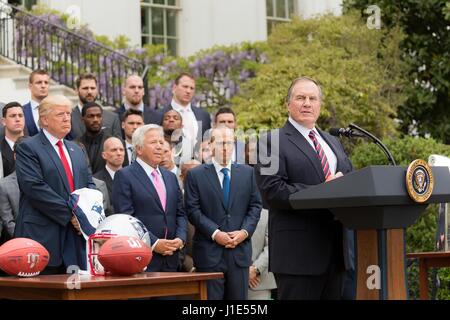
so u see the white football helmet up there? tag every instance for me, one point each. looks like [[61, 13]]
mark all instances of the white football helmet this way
[[113, 226]]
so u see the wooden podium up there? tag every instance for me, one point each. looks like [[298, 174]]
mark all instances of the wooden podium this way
[[374, 201]]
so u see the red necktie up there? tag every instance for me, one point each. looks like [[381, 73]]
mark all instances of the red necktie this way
[[66, 166], [321, 154]]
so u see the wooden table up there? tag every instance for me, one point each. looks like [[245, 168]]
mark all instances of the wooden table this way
[[429, 260], [86, 287]]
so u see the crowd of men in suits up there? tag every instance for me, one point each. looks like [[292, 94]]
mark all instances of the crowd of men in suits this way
[[186, 179]]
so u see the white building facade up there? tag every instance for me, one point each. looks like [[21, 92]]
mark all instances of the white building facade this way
[[187, 26]]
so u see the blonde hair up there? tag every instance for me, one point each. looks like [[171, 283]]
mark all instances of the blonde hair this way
[[49, 102]]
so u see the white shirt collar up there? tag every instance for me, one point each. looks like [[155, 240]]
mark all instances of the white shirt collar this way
[[178, 107], [218, 167], [302, 129], [53, 140], [10, 142], [139, 107], [147, 168], [110, 171], [34, 104]]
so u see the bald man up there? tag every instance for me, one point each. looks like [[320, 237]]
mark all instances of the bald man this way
[[114, 155], [133, 98]]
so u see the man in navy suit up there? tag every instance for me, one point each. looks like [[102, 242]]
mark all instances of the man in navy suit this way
[[195, 120], [151, 193], [309, 249], [133, 95], [38, 83], [14, 123], [224, 205], [48, 169]]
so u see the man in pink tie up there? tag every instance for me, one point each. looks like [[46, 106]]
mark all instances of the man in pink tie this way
[[48, 169], [151, 193]]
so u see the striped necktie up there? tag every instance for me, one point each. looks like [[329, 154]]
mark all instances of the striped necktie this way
[[320, 154]]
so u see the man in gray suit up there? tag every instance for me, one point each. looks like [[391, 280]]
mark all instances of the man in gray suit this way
[[9, 202], [87, 92], [261, 281]]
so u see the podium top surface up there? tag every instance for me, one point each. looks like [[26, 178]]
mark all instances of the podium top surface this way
[[370, 187]]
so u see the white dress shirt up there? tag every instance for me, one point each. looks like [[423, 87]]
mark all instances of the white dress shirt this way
[[10, 143], [53, 141], [129, 148], [110, 171], [190, 125], [139, 107], [331, 157]]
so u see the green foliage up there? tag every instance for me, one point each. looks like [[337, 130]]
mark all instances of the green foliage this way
[[359, 70], [426, 51], [420, 237]]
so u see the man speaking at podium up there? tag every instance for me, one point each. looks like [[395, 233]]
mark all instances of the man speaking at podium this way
[[305, 246]]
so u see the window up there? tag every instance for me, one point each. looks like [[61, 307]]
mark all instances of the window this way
[[279, 11], [159, 23]]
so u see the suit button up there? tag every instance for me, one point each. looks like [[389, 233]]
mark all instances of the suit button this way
[[228, 216]]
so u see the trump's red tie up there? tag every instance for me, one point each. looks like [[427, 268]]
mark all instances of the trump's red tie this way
[[66, 165], [321, 154]]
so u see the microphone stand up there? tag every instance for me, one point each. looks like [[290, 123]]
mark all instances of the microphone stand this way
[[376, 141]]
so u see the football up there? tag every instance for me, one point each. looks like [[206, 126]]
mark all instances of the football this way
[[23, 257], [124, 256]]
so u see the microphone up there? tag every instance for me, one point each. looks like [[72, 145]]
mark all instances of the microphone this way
[[345, 132]]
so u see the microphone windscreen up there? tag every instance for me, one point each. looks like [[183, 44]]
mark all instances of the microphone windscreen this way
[[335, 132]]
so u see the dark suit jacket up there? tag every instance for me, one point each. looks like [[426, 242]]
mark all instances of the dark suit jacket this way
[[106, 177], [313, 232], [9, 164], [203, 119], [110, 122], [207, 212], [44, 213], [150, 115], [30, 125], [133, 193], [9, 205]]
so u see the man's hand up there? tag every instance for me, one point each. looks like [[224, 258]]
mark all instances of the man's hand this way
[[223, 239], [332, 177], [253, 278], [237, 237], [75, 224], [166, 247]]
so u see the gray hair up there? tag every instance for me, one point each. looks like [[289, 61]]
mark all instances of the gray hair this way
[[300, 79], [138, 135]]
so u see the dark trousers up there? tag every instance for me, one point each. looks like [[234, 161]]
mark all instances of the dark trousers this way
[[54, 270], [234, 284], [327, 286]]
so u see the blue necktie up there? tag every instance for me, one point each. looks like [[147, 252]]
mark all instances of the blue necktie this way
[[225, 186]]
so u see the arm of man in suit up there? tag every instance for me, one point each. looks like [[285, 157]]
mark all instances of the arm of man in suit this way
[[194, 212], [6, 213], [116, 127], [272, 176], [182, 222], [251, 219], [41, 195]]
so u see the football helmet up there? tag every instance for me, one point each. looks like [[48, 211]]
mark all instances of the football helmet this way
[[113, 226]]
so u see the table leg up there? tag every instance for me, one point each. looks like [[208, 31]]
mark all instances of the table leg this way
[[203, 295], [423, 276]]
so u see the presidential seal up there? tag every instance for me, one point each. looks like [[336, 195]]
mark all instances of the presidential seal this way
[[419, 180]]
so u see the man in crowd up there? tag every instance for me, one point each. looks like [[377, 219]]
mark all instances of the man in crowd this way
[[94, 136], [48, 169], [183, 148], [195, 120], [225, 116], [113, 154], [151, 193], [38, 83], [14, 124], [224, 205], [133, 95], [87, 92], [131, 120]]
